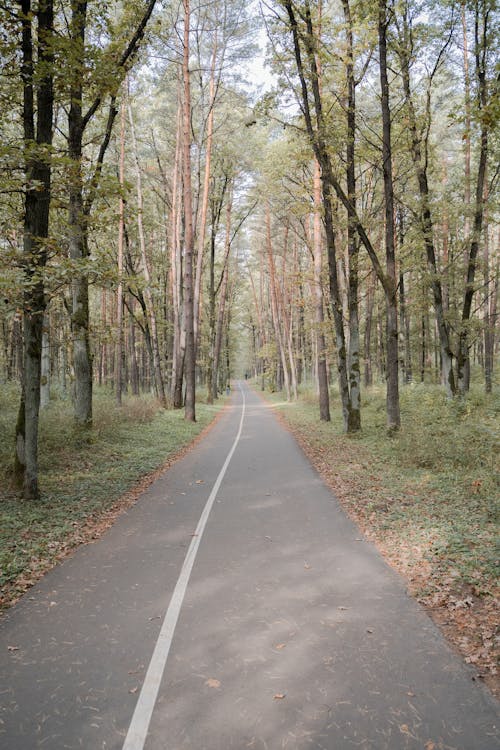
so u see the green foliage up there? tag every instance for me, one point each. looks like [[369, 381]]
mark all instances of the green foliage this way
[[81, 477]]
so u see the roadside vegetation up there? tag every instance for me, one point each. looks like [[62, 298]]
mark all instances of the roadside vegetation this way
[[428, 497], [85, 482]]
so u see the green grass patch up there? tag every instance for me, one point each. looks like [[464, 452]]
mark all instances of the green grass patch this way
[[429, 493], [81, 476]]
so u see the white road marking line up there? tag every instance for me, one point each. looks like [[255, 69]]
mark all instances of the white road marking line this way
[[138, 729]]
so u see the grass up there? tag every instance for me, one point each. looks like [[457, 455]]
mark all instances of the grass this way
[[428, 496], [82, 479]]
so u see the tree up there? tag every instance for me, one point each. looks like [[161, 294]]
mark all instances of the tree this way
[[38, 107], [190, 351]]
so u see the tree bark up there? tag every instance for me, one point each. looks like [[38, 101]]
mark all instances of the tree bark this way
[[324, 395], [77, 220], [392, 366], [148, 296], [352, 236], [274, 305], [190, 354], [119, 291], [480, 54], [36, 228]]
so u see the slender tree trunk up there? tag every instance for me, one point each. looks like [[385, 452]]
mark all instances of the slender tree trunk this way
[[274, 305], [206, 193], [45, 363], [119, 293], [220, 328], [370, 301], [134, 367], [490, 302], [352, 236], [190, 354], [82, 358], [324, 395], [393, 414]]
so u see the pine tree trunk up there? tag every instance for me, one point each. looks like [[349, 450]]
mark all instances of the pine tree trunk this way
[[190, 354], [324, 395], [119, 291]]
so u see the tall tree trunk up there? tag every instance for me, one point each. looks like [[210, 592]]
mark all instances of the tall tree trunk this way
[[176, 271], [274, 305], [220, 328], [206, 192], [324, 395], [134, 367], [82, 358], [36, 228], [119, 291], [190, 354], [148, 297], [393, 413], [370, 301], [352, 236]]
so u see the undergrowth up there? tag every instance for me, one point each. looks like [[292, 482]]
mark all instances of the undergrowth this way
[[82, 475]]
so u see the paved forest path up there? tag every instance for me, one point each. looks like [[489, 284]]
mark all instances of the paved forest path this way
[[291, 633]]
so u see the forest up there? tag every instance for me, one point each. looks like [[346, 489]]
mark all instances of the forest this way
[[301, 194]]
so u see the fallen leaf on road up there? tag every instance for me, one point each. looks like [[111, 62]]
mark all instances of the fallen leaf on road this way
[[279, 696], [200, 481], [404, 729], [280, 645], [429, 745], [133, 690], [212, 683]]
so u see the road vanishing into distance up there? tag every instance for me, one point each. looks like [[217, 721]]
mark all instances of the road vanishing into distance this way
[[234, 606]]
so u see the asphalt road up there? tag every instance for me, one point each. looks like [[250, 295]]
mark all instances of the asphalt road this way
[[284, 627]]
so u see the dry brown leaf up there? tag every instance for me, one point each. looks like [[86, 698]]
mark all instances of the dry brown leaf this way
[[280, 646], [279, 696], [429, 745], [212, 683]]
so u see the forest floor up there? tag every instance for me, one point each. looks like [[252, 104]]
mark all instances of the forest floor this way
[[427, 497], [86, 481]]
